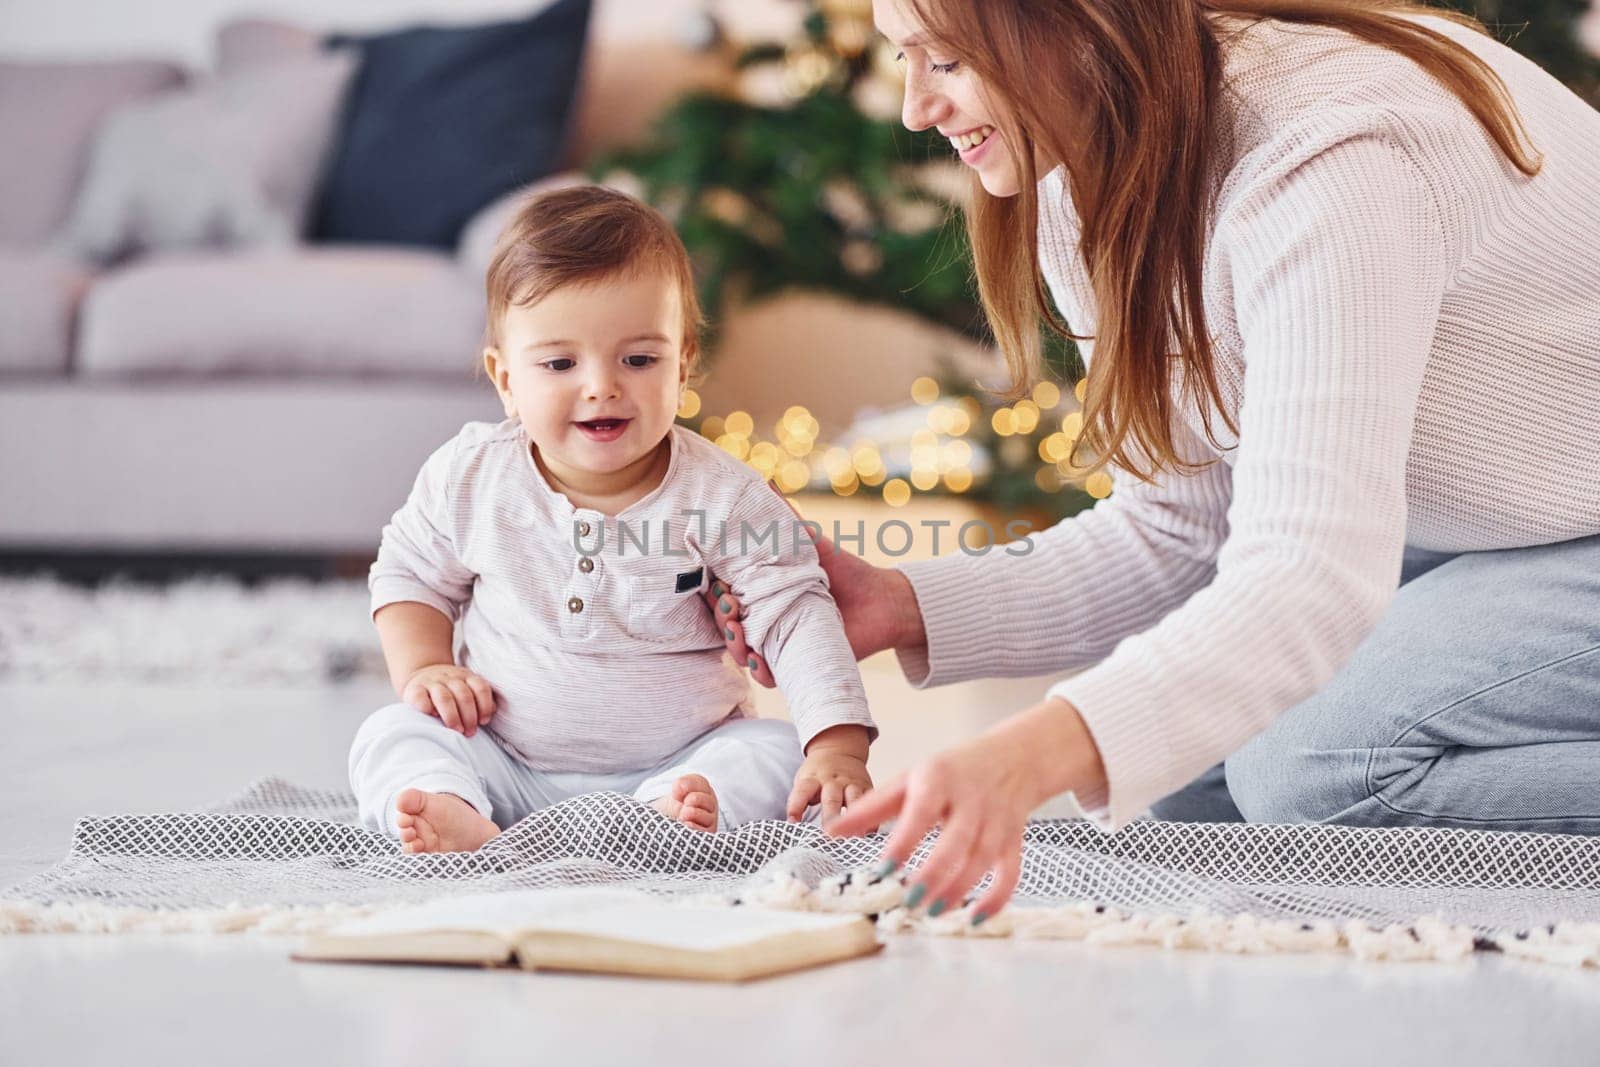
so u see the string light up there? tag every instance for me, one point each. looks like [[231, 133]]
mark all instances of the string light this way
[[1081, 389], [1026, 416], [764, 457], [735, 444], [793, 476], [1055, 448], [938, 454], [836, 461]]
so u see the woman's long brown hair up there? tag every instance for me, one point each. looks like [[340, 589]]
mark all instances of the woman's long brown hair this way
[[1123, 92]]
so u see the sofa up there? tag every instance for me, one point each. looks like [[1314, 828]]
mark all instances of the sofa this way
[[280, 399]]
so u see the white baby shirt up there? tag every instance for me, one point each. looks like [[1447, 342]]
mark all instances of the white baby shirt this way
[[591, 628]]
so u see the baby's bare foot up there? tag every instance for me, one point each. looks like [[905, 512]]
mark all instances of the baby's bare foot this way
[[440, 822], [691, 802]]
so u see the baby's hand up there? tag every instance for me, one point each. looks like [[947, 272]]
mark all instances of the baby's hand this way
[[462, 700], [830, 777]]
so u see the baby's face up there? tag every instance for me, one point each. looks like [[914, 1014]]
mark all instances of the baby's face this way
[[594, 372]]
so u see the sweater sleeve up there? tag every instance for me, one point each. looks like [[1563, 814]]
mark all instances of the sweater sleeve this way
[[417, 557], [1062, 598], [789, 616], [1337, 263]]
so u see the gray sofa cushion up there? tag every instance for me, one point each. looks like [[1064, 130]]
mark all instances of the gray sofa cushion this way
[[48, 115], [309, 311], [39, 295], [229, 161]]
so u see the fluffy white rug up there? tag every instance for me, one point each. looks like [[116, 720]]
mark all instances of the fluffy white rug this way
[[207, 630]]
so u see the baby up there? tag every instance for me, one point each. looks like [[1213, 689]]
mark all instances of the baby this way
[[539, 595]]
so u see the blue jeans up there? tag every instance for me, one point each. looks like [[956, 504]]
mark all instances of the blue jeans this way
[[1474, 703]]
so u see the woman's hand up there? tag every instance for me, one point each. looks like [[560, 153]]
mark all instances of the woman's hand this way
[[463, 701], [980, 794], [877, 603]]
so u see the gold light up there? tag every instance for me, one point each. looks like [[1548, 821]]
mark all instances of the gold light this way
[[736, 445], [896, 493], [836, 461], [1047, 480], [924, 478], [957, 454], [1004, 422], [1027, 416], [958, 480], [741, 423], [712, 427], [924, 390], [1072, 425], [690, 406], [765, 456], [866, 460], [1055, 448], [1098, 485], [874, 477], [1081, 389], [793, 476], [1046, 395]]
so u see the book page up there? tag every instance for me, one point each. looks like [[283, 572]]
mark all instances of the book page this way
[[506, 914], [620, 914], [697, 928]]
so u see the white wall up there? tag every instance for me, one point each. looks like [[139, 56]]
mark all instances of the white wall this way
[[182, 29]]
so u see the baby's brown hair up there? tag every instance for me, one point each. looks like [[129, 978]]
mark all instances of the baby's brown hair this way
[[583, 234]]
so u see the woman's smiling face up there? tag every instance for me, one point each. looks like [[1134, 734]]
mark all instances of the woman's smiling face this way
[[941, 92]]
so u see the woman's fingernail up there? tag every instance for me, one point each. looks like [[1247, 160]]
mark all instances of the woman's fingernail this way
[[914, 897], [719, 589], [728, 633], [753, 663], [885, 869], [936, 909], [725, 605], [978, 917]]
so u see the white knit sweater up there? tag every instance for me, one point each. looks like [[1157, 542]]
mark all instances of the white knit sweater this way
[[1408, 335]]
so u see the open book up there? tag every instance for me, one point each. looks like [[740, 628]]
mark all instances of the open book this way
[[613, 931]]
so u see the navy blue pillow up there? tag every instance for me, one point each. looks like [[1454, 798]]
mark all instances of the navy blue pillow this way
[[441, 120]]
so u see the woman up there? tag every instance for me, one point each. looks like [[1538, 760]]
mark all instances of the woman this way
[[1337, 270]]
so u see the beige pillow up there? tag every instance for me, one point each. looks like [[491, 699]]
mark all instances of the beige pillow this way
[[230, 161]]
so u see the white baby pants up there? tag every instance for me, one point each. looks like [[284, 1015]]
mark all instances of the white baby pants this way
[[750, 763]]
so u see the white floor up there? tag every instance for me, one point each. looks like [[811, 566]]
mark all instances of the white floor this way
[[71, 751]]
